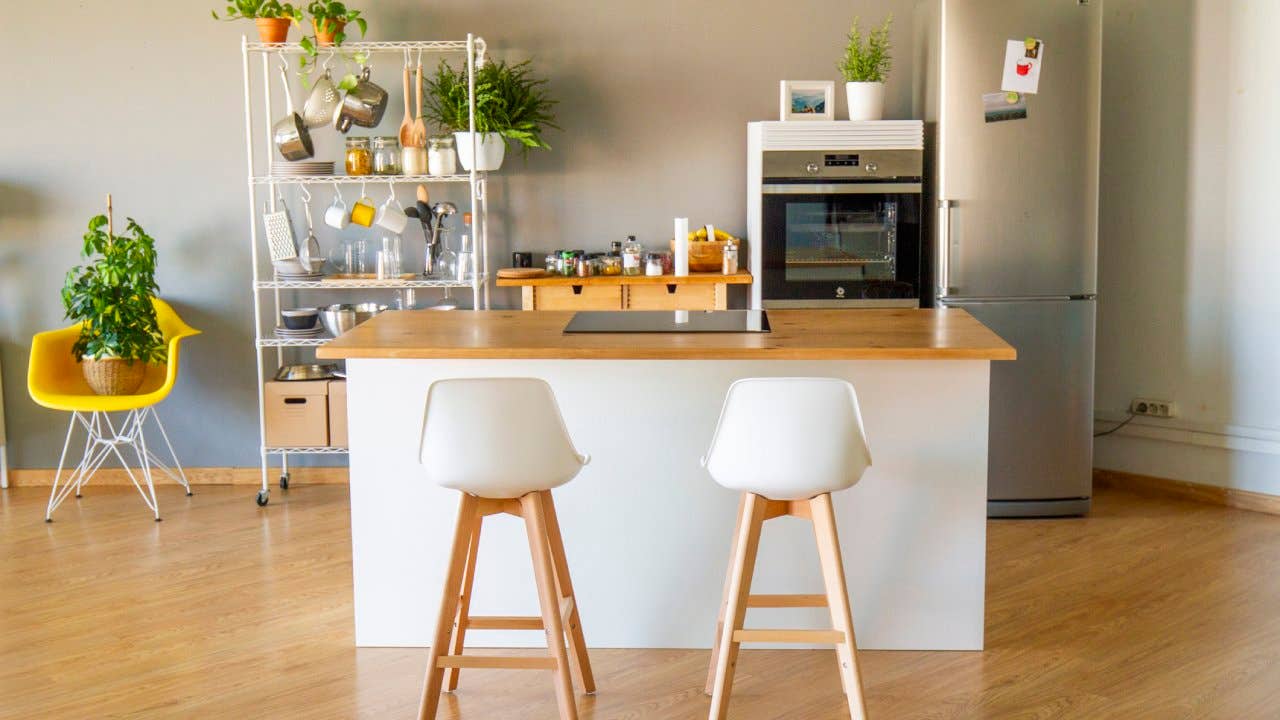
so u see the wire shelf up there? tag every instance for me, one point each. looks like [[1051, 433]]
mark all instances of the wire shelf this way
[[361, 284], [356, 179], [306, 450], [292, 342], [370, 47]]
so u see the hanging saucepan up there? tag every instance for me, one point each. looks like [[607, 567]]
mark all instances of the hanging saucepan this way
[[363, 105], [290, 133]]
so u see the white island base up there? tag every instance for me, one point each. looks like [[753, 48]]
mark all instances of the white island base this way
[[647, 532]]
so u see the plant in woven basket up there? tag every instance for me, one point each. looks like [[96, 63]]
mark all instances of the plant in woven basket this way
[[111, 295]]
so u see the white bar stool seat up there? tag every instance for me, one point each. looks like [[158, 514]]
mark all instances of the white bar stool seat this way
[[786, 444], [514, 474]]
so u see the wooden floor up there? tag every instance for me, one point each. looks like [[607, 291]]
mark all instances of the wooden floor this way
[[1149, 608]]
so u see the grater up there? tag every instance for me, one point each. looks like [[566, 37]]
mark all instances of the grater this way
[[279, 233]]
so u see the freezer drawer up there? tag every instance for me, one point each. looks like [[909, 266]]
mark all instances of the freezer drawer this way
[[1041, 442]]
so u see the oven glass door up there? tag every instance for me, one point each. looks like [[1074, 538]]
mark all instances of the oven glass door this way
[[841, 241]]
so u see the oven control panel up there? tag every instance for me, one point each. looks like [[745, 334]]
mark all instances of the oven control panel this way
[[843, 164]]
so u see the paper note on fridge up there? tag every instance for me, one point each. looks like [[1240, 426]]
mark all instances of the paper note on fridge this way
[[1022, 60]]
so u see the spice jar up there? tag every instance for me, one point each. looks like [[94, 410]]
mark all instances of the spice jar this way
[[386, 156], [586, 267], [442, 159], [567, 265], [730, 262], [413, 160], [653, 264], [359, 159], [551, 261], [611, 265]]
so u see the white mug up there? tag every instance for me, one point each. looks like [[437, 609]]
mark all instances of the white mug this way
[[392, 218], [336, 216]]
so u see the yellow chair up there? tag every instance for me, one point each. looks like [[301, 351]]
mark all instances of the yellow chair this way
[[54, 380]]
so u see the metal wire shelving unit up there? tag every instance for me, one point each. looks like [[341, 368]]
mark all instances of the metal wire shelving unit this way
[[263, 188]]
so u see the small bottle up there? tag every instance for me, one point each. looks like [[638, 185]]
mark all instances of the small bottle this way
[[730, 263], [632, 256], [615, 248], [653, 264]]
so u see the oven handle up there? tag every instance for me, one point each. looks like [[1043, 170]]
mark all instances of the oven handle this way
[[942, 283], [852, 188]]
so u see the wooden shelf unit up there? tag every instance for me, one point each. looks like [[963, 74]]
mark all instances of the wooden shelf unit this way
[[696, 291]]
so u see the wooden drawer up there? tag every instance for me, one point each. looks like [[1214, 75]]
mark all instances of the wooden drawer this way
[[586, 297], [673, 297]]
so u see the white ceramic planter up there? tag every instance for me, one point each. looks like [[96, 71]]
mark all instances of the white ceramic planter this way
[[866, 100], [491, 150]]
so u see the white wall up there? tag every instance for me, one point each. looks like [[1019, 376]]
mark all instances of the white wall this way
[[1190, 239]]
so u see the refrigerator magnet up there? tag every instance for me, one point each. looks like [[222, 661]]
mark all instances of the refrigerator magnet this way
[[1022, 61], [1002, 106]]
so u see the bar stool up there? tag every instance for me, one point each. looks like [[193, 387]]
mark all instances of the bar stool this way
[[786, 444], [537, 455]]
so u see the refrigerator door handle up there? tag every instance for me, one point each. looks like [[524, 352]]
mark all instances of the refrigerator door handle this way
[[942, 284]]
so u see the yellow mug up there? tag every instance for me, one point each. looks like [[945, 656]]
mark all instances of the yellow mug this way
[[363, 212]]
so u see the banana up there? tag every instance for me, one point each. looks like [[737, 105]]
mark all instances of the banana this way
[[700, 235]]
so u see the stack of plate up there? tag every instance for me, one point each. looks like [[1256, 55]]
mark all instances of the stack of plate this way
[[299, 276], [301, 169], [285, 333]]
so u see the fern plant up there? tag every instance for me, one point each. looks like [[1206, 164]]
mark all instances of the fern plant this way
[[867, 60], [510, 101]]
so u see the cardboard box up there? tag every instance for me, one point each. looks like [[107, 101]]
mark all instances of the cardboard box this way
[[338, 413], [297, 413]]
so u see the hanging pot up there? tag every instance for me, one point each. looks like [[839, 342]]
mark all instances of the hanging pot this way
[[491, 149], [290, 133], [363, 105]]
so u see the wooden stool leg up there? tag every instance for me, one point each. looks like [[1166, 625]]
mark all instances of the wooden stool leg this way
[[724, 601], [468, 518], [740, 571], [464, 607], [535, 521], [824, 529], [577, 641]]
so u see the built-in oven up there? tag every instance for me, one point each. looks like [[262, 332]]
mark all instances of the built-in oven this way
[[841, 228]]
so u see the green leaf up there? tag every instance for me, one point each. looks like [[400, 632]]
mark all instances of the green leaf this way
[[348, 82], [308, 47], [364, 26]]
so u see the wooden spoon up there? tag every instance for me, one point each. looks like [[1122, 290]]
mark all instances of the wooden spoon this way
[[419, 127], [406, 125], [423, 196]]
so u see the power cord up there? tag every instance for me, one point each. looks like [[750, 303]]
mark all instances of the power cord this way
[[1124, 422]]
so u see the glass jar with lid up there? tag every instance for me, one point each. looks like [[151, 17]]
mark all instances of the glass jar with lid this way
[[386, 155], [359, 158], [442, 158], [611, 265]]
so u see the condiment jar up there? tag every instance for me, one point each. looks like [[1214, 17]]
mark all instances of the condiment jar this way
[[413, 160], [442, 159], [653, 264], [552, 261], [386, 155], [611, 265], [730, 263], [359, 159]]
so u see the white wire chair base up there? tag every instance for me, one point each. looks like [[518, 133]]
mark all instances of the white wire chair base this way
[[102, 440]]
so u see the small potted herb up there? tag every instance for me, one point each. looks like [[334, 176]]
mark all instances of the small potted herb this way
[[111, 295], [273, 18], [330, 19], [864, 67], [511, 104]]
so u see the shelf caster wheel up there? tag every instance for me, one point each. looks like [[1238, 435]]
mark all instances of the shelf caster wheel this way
[[284, 481], [263, 497]]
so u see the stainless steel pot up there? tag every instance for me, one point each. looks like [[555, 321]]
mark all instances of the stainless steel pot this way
[[290, 133], [338, 319], [322, 103], [363, 105]]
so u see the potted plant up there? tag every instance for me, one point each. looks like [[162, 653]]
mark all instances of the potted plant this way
[[273, 18], [864, 67], [330, 18], [111, 296], [511, 104]]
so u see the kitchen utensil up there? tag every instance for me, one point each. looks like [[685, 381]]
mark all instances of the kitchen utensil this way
[[338, 319], [363, 104], [419, 126], [424, 197], [309, 251], [336, 216], [406, 125], [324, 99], [521, 273], [280, 238], [290, 133], [446, 303], [392, 218], [363, 211], [300, 318], [291, 373]]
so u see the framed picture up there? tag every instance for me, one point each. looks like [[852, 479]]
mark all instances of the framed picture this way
[[808, 100]]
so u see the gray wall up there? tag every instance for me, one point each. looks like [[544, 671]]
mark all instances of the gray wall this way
[[144, 100]]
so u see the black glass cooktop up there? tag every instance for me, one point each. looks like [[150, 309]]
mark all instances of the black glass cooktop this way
[[678, 321]]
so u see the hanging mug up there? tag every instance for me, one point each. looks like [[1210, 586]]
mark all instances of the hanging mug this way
[[336, 215], [392, 218], [363, 212]]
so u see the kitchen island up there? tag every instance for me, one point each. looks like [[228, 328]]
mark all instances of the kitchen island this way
[[647, 531]]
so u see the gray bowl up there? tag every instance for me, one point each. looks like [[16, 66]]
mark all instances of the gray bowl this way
[[299, 318], [338, 319]]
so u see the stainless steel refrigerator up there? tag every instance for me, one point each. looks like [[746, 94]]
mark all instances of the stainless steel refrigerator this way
[[1015, 230]]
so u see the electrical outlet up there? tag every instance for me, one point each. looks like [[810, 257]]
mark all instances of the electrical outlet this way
[[1153, 408]]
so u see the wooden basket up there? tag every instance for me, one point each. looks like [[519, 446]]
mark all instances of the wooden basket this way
[[705, 255], [113, 376]]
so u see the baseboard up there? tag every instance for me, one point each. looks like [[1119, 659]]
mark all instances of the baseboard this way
[[1183, 490], [196, 476]]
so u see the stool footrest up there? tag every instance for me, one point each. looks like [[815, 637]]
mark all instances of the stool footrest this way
[[789, 636], [497, 662], [786, 601], [503, 622]]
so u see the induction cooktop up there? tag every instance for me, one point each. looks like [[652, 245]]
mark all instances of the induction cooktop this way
[[678, 321]]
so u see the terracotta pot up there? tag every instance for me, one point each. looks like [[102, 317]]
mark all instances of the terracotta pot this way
[[113, 376], [273, 30], [326, 31]]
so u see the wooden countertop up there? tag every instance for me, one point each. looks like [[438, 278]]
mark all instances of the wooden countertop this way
[[742, 277], [880, 334]]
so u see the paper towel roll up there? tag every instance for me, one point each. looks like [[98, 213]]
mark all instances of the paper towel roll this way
[[682, 246]]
